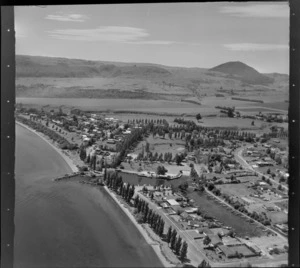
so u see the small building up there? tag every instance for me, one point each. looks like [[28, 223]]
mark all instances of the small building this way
[[173, 202], [194, 223], [215, 240], [195, 235], [247, 201], [111, 141], [190, 210], [164, 205], [231, 241], [185, 216]]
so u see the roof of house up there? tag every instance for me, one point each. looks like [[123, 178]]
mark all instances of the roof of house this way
[[184, 215], [173, 202], [205, 230], [227, 240], [215, 239], [195, 235], [226, 250]]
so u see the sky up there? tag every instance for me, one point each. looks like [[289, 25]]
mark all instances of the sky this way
[[174, 34]]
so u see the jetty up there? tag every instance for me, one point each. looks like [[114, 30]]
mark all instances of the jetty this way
[[67, 176]]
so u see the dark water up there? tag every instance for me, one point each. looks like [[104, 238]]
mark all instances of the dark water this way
[[136, 180], [67, 224]]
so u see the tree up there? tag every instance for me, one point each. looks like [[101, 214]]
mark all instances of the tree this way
[[82, 154], [178, 159], [161, 228], [204, 263], [161, 170], [88, 159], [230, 112], [198, 117], [169, 234], [206, 240], [173, 239], [147, 147], [178, 246], [173, 243], [183, 251]]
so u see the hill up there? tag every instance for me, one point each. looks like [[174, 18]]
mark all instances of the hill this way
[[35, 66], [38, 76], [242, 71]]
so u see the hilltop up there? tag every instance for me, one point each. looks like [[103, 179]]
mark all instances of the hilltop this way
[[242, 71], [38, 76]]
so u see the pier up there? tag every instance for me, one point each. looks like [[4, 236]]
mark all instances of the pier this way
[[67, 176]]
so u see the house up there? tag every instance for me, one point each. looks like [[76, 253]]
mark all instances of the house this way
[[221, 231], [173, 202], [231, 241], [185, 216], [215, 240], [196, 235], [228, 252], [164, 205], [111, 141], [190, 210], [205, 231], [194, 223]]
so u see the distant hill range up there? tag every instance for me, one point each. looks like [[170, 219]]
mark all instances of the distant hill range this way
[[38, 76]]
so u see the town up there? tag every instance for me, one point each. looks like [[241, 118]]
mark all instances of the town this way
[[204, 193]]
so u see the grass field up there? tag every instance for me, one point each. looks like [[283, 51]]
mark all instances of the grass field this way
[[238, 190]]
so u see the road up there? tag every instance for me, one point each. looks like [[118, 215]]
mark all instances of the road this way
[[239, 158]]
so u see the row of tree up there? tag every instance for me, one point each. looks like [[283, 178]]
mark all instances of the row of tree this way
[[63, 142], [146, 215], [115, 182]]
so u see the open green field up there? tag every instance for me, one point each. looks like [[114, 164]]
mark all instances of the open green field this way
[[238, 190]]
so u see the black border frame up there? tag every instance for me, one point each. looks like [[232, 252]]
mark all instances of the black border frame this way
[[8, 123]]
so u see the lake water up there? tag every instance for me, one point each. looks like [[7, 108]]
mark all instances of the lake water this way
[[67, 224]]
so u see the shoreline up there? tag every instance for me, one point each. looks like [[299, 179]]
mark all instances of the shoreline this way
[[155, 246], [68, 160]]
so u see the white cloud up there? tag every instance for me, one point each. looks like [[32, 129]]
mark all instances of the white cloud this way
[[258, 10], [121, 34], [67, 17], [255, 47]]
